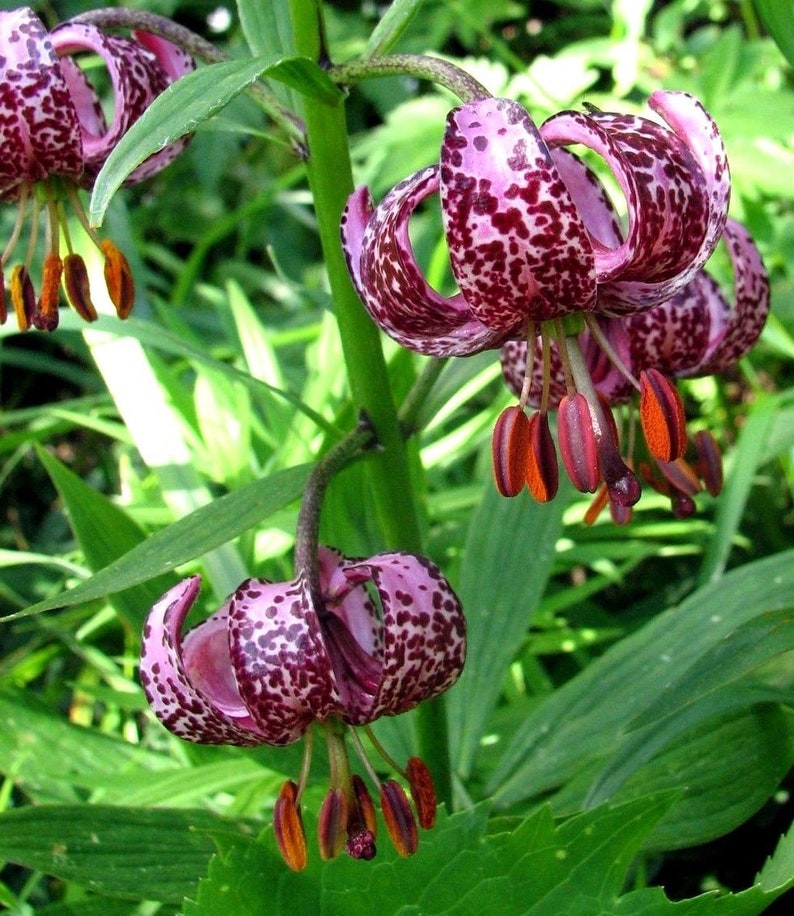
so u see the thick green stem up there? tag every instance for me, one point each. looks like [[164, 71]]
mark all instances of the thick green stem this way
[[331, 181]]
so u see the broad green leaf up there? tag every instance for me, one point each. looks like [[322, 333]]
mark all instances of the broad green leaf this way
[[28, 733], [190, 537], [190, 101], [267, 27], [586, 718], [778, 16], [131, 853], [104, 532], [505, 564]]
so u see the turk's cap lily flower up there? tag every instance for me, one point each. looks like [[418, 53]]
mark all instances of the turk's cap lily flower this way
[[269, 662], [694, 333], [55, 139], [384, 634], [531, 231]]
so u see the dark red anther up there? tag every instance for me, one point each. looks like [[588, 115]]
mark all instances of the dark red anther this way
[[423, 792], [288, 827], [365, 809], [75, 279], [509, 450], [709, 462], [681, 476], [332, 824], [542, 472], [578, 442], [662, 416], [399, 818]]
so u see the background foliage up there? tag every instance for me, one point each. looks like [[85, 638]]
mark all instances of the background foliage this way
[[624, 723]]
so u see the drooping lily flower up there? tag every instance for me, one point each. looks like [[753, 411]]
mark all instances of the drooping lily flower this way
[[55, 140], [540, 255], [697, 332], [385, 634]]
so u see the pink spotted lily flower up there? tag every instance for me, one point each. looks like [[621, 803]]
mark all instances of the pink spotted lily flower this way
[[385, 634], [55, 139], [544, 266]]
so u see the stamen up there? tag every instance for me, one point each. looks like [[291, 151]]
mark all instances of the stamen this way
[[23, 296], [423, 791], [22, 207], [288, 827], [45, 318], [78, 291], [526, 387], [611, 353], [578, 442], [662, 416], [332, 825], [399, 818], [542, 472], [119, 280], [709, 462], [510, 447]]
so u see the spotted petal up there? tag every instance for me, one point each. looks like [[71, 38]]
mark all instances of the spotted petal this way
[[39, 129], [139, 71], [390, 283], [518, 247], [417, 634], [279, 658], [190, 686]]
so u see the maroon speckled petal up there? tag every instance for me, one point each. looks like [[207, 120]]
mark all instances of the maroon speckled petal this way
[[391, 285], [518, 247], [191, 687], [281, 665], [667, 198], [698, 134], [741, 327], [39, 130], [423, 632], [138, 75]]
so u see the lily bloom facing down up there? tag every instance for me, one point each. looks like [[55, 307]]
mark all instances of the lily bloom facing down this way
[[587, 307], [385, 634], [55, 140]]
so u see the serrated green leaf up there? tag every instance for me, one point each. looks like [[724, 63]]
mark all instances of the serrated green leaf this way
[[131, 853], [189, 538]]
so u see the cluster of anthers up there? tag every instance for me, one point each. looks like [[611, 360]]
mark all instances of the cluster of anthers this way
[[55, 140]]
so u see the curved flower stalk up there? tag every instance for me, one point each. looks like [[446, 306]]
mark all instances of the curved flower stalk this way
[[697, 332], [55, 140], [540, 256], [271, 663]]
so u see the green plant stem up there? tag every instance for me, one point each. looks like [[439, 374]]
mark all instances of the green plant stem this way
[[436, 69], [331, 181]]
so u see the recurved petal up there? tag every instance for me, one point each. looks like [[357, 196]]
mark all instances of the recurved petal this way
[[423, 632], [391, 284], [518, 247], [281, 666], [39, 130], [666, 197], [190, 686], [737, 329], [138, 75], [699, 135]]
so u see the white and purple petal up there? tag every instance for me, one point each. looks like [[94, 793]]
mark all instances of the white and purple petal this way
[[137, 74], [518, 246], [279, 658], [391, 284], [39, 130], [191, 686], [422, 636]]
